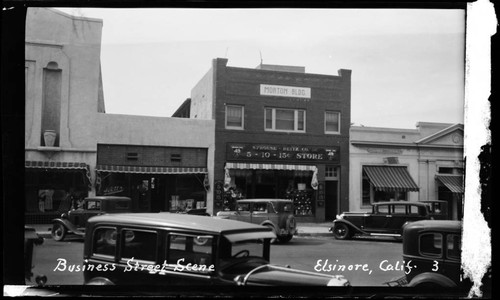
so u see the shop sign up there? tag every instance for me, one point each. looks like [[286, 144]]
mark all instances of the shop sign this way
[[285, 91], [113, 190], [284, 153]]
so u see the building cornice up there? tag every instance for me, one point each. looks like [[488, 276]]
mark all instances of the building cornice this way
[[44, 44], [406, 145]]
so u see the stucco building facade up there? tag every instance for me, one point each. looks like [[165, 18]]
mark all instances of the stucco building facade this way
[[419, 164], [64, 97]]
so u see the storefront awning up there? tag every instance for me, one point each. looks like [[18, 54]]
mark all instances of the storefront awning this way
[[230, 165], [55, 165], [390, 179], [454, 183], [61, 165], [150, 170]]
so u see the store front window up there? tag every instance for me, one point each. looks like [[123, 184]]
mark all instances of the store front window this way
[[274, 184], [156, 192]]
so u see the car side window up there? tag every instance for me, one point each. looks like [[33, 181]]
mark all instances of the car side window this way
[[414, 210], [190, 249], [260, 207], [139, 244], [453, 246], [382, 209], [431, 244], [94, 205], [399, 209], [104, 241], [121, 205], [243, 207]]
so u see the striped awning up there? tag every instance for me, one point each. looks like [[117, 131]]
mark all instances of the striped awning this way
[[454, 183], [390, 179], [230, 165], [60, 165], [55, 165], [151, 170]]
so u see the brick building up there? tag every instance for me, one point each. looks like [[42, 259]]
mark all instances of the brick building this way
[[279, 133]]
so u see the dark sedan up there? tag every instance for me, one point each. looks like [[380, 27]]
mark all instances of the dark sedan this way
[[385, 219], [161, 249], [75, 220]]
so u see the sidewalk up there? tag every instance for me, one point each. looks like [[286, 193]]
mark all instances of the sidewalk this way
[[303, 229]]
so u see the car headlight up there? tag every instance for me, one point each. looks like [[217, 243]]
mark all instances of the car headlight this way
[[341, 216], [338, 280]]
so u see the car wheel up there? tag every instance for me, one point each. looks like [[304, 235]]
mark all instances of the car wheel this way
[[341, 231], [285, 238], [58, 232]]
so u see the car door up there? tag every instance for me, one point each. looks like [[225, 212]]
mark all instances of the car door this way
[[93, 208], [260, 212], [242, 213], [399, 214], [379, 219], [79, 216]]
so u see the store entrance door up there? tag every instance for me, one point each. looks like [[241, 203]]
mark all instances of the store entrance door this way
[[331, 198]]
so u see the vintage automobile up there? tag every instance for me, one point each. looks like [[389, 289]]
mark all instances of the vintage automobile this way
[[159, 249], [31, 240], [276, 214], [438, 209], [432, 252], [75, 220], [385, 219]]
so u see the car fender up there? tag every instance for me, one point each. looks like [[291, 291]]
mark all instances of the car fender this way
[[352, 226], [432, 278], [99, 281], [269, 223], [66, 223]]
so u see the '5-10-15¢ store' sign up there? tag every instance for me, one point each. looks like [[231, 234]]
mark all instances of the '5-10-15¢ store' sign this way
[[268, 152]]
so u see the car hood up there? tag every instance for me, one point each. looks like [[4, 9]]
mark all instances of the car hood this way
[[279, 276]]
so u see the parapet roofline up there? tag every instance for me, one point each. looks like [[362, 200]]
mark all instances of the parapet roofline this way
[[74, 17], [281, 68]]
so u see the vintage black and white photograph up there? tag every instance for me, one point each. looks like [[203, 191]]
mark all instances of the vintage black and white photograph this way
[[167, 148]]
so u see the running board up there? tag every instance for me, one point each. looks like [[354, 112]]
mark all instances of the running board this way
[[386, 234]]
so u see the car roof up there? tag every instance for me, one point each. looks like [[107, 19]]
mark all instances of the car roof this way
[[430, 201], [181, 221], [108, 198], [264, 200], [399, 202], [439, 225]]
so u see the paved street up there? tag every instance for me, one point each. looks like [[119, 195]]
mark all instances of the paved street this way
[[364, 260]]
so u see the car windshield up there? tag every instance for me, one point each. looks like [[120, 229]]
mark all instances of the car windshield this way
[[240, 257], [229, 251]]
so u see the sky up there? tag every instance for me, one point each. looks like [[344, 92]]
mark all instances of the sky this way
[[407, 64]]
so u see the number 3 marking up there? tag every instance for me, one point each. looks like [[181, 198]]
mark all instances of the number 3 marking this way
[[435, 265]]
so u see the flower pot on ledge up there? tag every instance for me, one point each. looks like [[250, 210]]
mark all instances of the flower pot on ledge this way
[[49, 137]]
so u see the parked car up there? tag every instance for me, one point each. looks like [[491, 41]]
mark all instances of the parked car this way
[[432, 252], [159, 248], [276, 214], [385, 219], [195, 211], [31, 241], [438, 209], [75, 220]]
